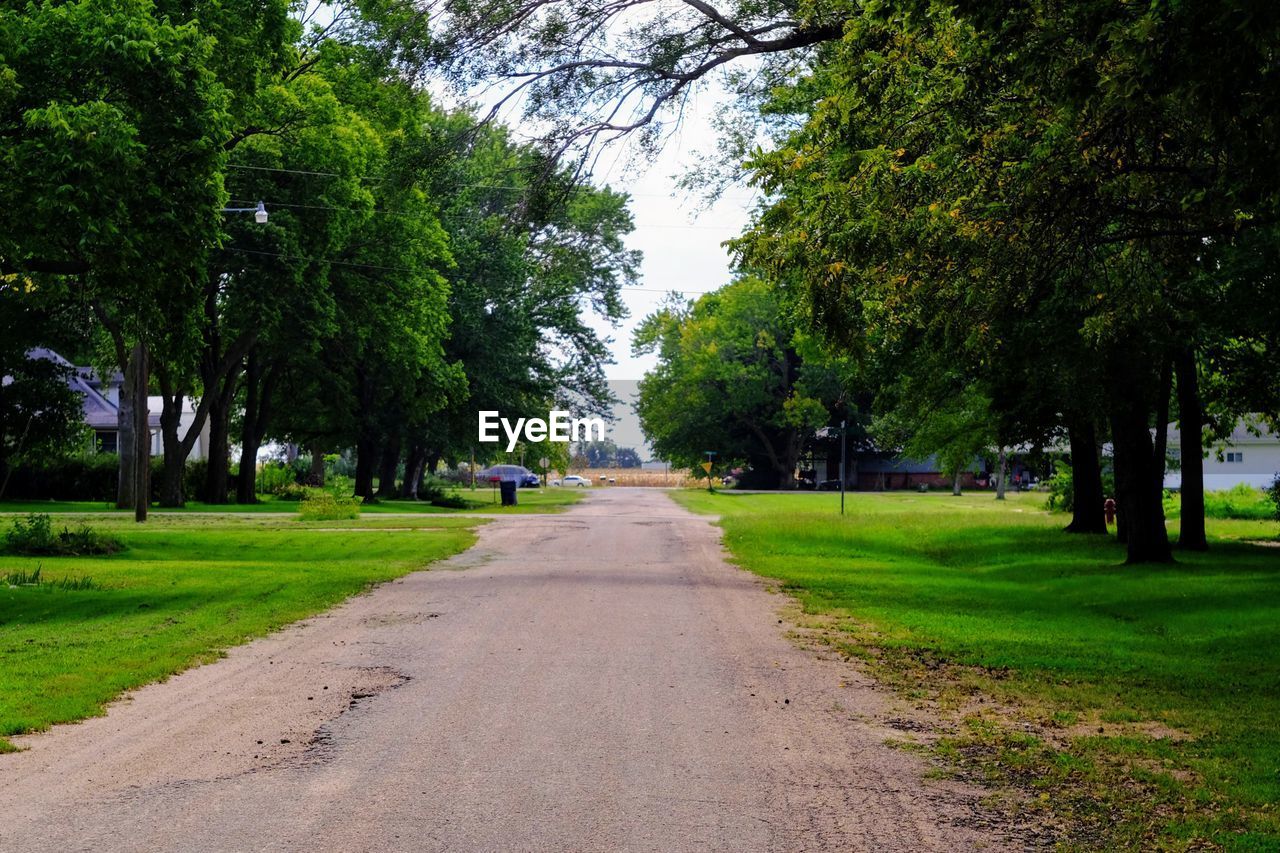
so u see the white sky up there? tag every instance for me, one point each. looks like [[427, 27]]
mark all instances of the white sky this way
[[679, 236], [681, 242]]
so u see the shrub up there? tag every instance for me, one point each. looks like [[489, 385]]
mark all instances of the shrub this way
[[432, 487], [86, 477], [1241, 501], [92, 477], [440, 492], [35, 536], [339, 465], [1062, 493], [322, 505], [291, 492], [21, 577], [275, 478], [1061, 486], [452, 500]]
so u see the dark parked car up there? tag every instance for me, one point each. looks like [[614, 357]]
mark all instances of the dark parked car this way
[[509, 473]]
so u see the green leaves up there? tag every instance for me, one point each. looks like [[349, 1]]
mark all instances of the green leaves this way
[[731, 377]]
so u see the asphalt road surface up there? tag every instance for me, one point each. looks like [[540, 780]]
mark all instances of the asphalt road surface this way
[[596, 680]]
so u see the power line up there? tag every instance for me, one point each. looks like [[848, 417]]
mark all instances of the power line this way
[[458, 217], [623, 289], [466, 186], [317, 260]]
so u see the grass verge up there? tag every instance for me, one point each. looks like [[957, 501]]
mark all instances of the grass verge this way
[[1137, 705], [184, 589], [481, 500]]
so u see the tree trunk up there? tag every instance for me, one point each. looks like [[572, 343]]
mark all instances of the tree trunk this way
[[174, 461], [414, 462], [175, 455], [1160, 448], [259, 385], [218, 470], [1087, 515], [1139, 501], [387, 469], [140, 365], [316, 475], [955, 482], [365, 452], [125, 443], [126, 446], [1002, 469], [790, 459], [1191, 423]]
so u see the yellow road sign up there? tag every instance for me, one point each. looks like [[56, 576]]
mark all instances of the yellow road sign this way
[[706, 466]]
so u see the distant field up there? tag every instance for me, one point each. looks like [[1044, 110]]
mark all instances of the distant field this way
[[674, 478], [1140, 704], [185, 588]]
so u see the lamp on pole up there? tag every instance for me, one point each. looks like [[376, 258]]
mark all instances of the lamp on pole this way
[[259, 212]]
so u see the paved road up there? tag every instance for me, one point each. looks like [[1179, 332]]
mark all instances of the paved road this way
[[596, 680]]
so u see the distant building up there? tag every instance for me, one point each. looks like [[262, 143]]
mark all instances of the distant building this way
[[878, 472], [102, 408], [1243, 457]]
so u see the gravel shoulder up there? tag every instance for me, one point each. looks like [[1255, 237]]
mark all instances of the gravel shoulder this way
[[596, 680]]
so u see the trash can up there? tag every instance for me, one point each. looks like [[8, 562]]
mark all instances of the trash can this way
[[508, 490]]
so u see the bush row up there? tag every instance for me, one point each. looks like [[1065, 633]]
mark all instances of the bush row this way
[[90, 477]]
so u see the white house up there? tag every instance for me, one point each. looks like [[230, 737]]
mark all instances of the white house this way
[[1242, 458], [101, 401]]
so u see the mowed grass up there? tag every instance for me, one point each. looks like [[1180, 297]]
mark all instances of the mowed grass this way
[[1142, 703], [185, 589], [481, 500]]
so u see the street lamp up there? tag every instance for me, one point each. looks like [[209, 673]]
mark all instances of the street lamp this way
[[259, 212]]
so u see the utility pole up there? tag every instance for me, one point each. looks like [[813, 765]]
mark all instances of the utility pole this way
[[844, 444]]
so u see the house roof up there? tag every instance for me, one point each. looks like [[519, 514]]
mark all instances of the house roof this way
[[99, 412], [1243, 434]]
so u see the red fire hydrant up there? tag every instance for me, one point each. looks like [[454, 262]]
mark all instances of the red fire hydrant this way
[[1109, 510]]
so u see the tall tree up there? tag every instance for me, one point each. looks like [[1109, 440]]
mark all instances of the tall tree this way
[[104, 184], [735, 377]]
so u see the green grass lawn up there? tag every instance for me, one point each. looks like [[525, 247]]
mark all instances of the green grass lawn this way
[[1140, 703], [481, 500], [186, 588]]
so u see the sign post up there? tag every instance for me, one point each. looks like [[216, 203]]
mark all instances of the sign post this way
[[706, 466]]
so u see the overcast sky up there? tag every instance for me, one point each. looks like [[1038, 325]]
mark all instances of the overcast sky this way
[[679, 236], [681, 242]]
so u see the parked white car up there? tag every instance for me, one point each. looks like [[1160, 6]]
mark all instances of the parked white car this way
[[575, 480]]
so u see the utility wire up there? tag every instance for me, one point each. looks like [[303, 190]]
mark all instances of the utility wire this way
[[466, 186], [623, 289], [450, 216]]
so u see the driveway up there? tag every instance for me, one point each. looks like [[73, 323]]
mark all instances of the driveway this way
[[596, 680]]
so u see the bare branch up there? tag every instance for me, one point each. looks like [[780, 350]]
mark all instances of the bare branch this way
[[593, 74]]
